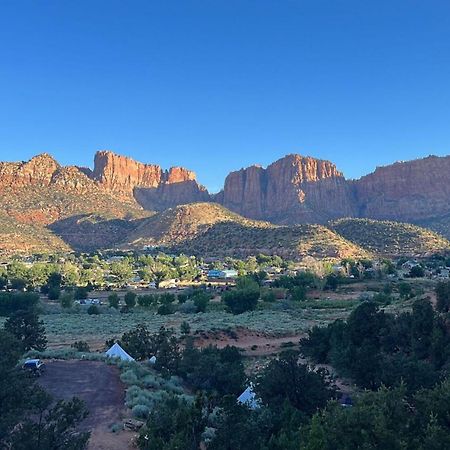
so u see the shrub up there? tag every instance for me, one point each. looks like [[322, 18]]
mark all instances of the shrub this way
[[113, 300], [165, 309], [268, 296], [66, 301], [241, 300], [201, 300], [54, 293], [185, 328], [81, 293], [93, 310], [129, 377], [130, 299], [146, 300], [188, 307], [81, 346], [141, 411], [182, 298]]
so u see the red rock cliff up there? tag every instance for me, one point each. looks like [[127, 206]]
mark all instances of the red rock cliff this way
[[153, 187], [407, 191], [38, 170], [294, 189]]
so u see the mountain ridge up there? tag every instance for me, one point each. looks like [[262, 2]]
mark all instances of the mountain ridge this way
[[76, 202]]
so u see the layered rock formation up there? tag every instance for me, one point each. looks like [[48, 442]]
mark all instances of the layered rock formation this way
[[39, 170], [409, 191], [152, 187], [294, 189]]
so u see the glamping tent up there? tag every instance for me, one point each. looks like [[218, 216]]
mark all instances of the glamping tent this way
[[248, 398], [116, 351]]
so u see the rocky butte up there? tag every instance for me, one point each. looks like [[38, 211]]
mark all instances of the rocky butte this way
[[294, 189], [151, 186]]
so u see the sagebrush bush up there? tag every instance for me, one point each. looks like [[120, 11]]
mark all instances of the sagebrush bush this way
[[141, 411]]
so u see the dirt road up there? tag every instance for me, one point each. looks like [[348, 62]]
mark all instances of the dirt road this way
[[101, 389]]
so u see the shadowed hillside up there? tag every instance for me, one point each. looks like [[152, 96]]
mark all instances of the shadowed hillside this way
[[391, 238], [211, 230]]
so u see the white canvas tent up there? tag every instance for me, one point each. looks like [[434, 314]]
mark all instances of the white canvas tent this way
[[116, 351], [248, 398]]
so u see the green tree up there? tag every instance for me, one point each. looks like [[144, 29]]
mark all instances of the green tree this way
[[443, 296], [113, 300], [93, 310], [173, 424], [285, 379], [55, 427], [241, 299], [66, 300], [26, 327], [130, 299], [185, 328], [15, 387]]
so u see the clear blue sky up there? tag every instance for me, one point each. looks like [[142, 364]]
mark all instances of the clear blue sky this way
[[216, 85]]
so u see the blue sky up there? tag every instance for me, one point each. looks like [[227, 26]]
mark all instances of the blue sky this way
[[216, 85]]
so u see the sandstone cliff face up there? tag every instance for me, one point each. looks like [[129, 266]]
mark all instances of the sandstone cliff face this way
[[407, 191], [294, 189], [150, 185], [38, 170]]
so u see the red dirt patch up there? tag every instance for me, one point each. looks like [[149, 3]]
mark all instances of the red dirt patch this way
[[101, 389], [252, 343]]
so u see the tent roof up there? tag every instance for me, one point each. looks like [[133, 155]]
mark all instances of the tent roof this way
[[116, 351], [248, 397]]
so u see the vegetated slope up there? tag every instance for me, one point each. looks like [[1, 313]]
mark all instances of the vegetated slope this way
[[391, 238], [184, 222], [16, 237], [208, 229], [90, 232], [440, 225], [292, 242]]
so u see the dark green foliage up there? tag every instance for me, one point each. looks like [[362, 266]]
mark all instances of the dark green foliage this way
[[54, 427], [81, 346], [165, 309], [81, 293], [113, 300], [298, 293], [167, 298], [146, 300], [15, 301], [286, 380], [213, 369], [375, 348], [130, 299], [141, 344], [243, 298], [93, 310], [66, 300], [386, 419], [185, 328], [237, 429], [443, 296], [201, 300], [26, 327], [53, 293], [268, 296], [332, 282], [18, 284], [417, 272], [174, 424], [3, 282], [15, 387], [137, 342], [405, 290], [182, 298]]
